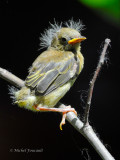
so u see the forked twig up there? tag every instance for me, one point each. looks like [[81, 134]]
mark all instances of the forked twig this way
[[85, 130], [92, 82]]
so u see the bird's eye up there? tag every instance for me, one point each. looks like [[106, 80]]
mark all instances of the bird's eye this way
[[63, 39]]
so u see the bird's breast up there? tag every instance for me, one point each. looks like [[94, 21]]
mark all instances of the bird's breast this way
[[80, 62]]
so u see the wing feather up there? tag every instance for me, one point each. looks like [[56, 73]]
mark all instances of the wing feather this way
[[46, 77], [61, 79], [47, 80]]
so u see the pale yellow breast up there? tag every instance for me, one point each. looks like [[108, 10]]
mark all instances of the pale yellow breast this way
[[81, 58]]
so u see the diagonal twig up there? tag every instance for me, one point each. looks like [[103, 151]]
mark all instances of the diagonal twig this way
[[92, 82], [11, 78], [85, 130]]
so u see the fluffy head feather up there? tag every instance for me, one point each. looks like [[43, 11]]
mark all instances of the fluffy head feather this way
[[47, 36]]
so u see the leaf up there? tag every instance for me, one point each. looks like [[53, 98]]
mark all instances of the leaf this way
[[108, 8]]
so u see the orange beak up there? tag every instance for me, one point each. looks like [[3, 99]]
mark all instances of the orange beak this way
[[76, 40]]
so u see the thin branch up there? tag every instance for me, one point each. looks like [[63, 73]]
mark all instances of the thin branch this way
[[92, 82], [90, 135], [86, 131], [11, 78]]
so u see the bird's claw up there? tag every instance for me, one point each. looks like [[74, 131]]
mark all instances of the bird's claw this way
[[62, 121], [64, 111], [68, 109]]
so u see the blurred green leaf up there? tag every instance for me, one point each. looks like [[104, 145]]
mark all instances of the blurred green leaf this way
[[109, 8]]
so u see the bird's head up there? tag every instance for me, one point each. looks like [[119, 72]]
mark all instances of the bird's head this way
[[64, 36], [67, 39]]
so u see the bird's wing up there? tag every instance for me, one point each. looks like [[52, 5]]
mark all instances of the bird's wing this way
[[49, 76]]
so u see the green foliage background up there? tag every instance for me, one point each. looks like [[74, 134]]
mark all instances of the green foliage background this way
[[109, 9]]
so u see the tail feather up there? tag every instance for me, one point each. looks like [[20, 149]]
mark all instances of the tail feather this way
[[22, 97], [12, 91]]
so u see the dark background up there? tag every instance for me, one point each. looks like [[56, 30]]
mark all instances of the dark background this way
[[20, 27]]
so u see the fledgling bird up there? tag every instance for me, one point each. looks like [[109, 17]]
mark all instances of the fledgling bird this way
[[55, 70]]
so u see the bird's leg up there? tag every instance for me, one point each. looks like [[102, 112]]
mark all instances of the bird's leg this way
[[64, 111], [63, 120]]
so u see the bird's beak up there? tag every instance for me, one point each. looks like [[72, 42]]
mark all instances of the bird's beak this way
[[76, 40]]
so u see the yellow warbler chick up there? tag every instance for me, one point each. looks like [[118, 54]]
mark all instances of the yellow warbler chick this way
[[55, 70]]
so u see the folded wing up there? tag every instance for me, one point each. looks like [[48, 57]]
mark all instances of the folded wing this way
[[47, 77]]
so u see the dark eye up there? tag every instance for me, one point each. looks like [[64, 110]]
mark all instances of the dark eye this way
[[63, 39]]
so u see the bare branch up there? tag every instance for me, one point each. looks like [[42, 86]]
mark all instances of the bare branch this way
[[90, 135], [86, 131], [92, 82], [11, 78]]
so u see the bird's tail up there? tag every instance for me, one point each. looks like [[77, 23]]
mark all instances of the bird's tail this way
[[22, 97], [12, 91]]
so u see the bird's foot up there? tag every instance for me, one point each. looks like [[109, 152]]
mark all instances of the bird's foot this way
[[64, 111]]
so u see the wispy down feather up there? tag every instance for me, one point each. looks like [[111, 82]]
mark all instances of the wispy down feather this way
[[47, 36], [77, 25], [12, 91]]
